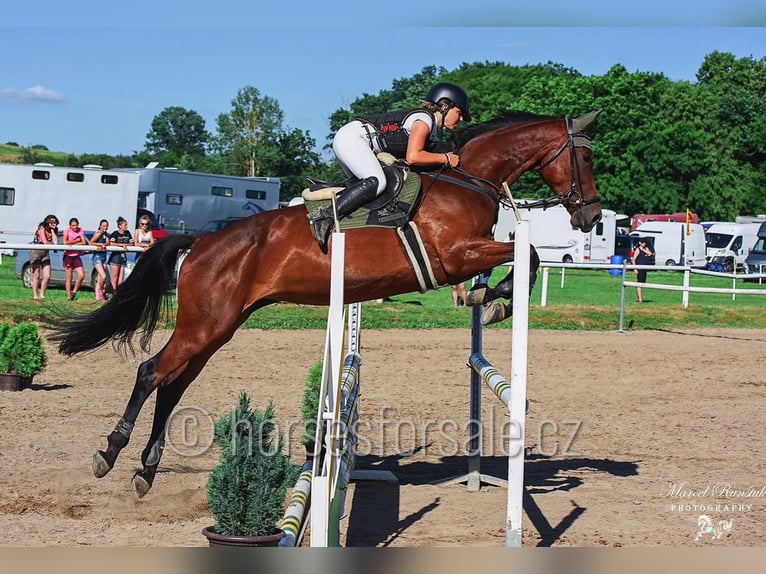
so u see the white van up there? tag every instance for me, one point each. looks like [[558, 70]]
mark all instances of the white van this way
[[672, 244], [728, 245], [554, 238]]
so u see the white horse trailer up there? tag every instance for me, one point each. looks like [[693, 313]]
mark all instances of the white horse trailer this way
[[30, 192]]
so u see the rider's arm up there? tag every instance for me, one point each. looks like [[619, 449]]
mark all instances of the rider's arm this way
[[416, 152]]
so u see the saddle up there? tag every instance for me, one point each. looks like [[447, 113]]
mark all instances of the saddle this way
[[393, 208]]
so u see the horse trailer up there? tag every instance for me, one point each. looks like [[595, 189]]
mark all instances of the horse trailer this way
[[554, 238], [184, 201]]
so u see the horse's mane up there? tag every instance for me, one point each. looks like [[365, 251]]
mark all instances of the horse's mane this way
[[507, 118]]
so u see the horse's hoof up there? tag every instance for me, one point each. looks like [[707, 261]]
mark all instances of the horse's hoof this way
[[495, 312], [476, 295], [140, 485], [99, 465]]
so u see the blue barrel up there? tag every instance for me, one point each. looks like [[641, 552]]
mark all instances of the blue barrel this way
[[616, 260]]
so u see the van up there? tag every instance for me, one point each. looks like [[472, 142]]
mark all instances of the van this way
[[755, 262], [728, 245], [673, 245]]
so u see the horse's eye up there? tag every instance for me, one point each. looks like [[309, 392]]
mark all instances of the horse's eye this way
[[587, 158]]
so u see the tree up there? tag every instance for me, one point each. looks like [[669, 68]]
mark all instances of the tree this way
[[177, 131], [247, 134], [252, 141]]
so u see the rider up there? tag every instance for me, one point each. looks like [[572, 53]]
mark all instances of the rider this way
[[405, 134]]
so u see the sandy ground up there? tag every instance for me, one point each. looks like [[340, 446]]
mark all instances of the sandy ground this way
[[631, 437]]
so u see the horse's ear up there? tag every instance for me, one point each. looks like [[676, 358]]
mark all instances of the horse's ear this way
[[579, 124]]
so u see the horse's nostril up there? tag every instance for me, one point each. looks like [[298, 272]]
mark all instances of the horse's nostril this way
[[596, 219]]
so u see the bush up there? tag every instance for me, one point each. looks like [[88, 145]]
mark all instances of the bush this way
[[21, 350], [246, 490]]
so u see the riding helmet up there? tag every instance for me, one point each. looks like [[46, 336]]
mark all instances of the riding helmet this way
[[453, 93]]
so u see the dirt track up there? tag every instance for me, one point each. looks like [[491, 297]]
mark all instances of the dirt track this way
[[669, 429]]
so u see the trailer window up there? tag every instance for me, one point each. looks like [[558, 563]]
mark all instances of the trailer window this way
[[255, 194], [109, 179], [599, 228], [222, 191], [74, 176], [41, 174], [174, 199], [7, 195]]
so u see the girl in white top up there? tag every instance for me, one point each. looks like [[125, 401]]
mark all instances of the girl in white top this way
[[143, 237]]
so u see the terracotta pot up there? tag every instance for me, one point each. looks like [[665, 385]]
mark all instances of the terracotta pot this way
[[10, 382], [215, 539]]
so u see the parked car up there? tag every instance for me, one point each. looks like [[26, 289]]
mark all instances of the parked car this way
[[23, 269], [218, 224]]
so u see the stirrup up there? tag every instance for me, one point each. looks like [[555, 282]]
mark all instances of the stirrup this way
[[320, 229]]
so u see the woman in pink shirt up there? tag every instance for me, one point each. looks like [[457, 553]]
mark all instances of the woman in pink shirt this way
[[73, 235]]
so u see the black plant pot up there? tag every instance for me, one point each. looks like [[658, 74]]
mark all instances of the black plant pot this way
[[215, 539], [10, 382]]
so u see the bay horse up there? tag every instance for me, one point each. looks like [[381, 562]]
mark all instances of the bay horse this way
[[272, 257]]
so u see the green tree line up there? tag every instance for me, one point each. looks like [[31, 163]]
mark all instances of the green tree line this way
[[660, 145]]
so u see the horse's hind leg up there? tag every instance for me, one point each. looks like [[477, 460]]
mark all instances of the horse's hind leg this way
[[168, 397], [103, 461], [483, 294]]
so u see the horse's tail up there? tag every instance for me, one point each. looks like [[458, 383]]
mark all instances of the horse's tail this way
[[137, 303]]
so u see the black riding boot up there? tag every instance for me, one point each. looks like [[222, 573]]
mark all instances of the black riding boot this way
[[350, 199]]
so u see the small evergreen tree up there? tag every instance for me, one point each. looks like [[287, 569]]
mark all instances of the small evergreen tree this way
[[246, 490], [21, 350]]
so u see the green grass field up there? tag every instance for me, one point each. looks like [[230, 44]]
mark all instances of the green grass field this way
[[589, 299]]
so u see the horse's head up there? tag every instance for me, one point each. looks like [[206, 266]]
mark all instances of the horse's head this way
[[501, 149], [568, 171]]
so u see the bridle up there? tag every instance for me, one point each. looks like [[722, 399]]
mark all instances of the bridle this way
[[574, 196]]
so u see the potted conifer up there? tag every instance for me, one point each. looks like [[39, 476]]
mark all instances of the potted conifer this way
[[246, 490], [22, 355]]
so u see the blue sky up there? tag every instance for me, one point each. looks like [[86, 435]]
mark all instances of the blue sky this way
[[91, 78]]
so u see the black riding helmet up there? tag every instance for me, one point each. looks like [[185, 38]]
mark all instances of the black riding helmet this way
[[453, 93]]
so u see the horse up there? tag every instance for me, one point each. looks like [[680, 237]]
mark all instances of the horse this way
[[272, 257]]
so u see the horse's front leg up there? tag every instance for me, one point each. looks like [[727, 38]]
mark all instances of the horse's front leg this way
[[103, 460], [483, 294]]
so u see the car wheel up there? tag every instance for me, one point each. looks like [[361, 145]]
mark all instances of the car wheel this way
[[567, 259], [729, 266], [27, 276], [670, 263]]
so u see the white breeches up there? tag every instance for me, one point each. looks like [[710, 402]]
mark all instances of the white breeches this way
[[352, 149]]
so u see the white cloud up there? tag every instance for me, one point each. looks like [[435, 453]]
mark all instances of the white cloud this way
[[33, 94]]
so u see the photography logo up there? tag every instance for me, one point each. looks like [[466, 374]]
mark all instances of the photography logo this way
[[710, 529]]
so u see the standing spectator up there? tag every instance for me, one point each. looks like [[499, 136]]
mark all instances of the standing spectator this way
[[73, 235], [101, 240], [40, 259], [642, 256], [144, 236], [118, 261], [458, 302]]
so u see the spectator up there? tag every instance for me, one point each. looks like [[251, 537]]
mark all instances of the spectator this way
[[118, 261], [642, 256], [40, 259], [458, 302], [101, 240], [73, 235], [144, 236]]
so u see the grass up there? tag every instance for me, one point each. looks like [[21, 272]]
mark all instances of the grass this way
[[589, 300]]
